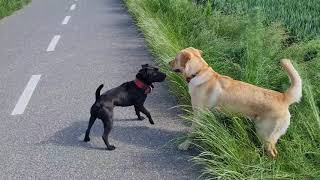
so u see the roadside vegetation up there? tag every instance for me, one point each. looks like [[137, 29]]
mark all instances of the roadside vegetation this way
[[247, 45], [7, 7]]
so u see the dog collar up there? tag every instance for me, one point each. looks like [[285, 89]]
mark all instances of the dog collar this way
[[188, 79], [142, 85]]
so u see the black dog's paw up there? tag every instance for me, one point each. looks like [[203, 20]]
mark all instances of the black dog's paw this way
[[141, 118], [111, 148], [151, 122], [86, 139]]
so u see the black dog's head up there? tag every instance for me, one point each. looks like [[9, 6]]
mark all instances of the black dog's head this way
[[149, 74]]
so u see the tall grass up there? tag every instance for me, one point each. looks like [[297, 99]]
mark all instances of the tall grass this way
[[239, 45], [301, 18], [9, 6]]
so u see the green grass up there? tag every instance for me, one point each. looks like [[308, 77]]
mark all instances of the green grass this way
[[7, 7], [301, 18], [242, 46]]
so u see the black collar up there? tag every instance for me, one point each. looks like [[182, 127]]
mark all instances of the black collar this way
[[188, 79]]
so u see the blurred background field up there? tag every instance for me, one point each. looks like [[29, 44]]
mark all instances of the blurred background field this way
[[301, 18]]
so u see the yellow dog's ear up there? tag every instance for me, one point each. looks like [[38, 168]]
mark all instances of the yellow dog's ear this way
[[185, 56], [192, 67]]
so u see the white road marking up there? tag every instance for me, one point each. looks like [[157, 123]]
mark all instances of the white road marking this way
[[26, 95], [75, 0], [53, 43], [66, 20], [73, 6]]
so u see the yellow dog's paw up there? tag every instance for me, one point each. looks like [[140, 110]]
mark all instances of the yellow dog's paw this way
[[271, 150], [185, 145]]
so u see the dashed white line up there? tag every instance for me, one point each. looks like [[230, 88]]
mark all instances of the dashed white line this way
[[53, 43], [26, 95], [73, 6], [66, 20]]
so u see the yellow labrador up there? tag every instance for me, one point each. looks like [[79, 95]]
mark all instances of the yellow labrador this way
[[268, 108]]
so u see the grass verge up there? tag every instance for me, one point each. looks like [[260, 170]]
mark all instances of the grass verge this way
[[239, 45], [7, 7]]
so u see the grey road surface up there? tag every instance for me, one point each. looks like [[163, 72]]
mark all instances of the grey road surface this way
[[99, 44]]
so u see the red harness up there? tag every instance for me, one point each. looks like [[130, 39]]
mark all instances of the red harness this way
[[142, 85]]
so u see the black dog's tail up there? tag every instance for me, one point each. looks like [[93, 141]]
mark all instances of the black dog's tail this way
[[98, 92]]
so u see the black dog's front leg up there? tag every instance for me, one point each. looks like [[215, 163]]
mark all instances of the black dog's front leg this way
[[142, 109], [136, 108]]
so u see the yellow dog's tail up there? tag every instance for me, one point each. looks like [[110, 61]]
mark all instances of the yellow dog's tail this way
[[294, 93]]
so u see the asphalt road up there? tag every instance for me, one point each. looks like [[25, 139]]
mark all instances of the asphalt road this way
[[99, 44]]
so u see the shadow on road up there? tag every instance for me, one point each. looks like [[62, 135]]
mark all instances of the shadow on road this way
[[165, 157], [139, 136]]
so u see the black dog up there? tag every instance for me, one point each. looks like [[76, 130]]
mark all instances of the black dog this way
[[133, 93]]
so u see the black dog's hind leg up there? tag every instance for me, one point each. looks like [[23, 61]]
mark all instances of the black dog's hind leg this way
[[107, 124], [146, 112], [138, 113], [91, 121]]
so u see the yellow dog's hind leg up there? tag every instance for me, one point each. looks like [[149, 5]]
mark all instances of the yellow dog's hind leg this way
[[270, 130]]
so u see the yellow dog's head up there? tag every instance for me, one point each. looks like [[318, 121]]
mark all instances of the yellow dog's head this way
[[188, 61]]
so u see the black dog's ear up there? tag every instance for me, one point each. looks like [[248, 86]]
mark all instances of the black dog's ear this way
[[145, 65], [140, 75]]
